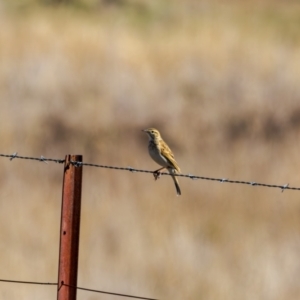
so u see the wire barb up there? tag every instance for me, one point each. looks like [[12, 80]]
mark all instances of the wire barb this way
[[284, 187], [43, 159], [13, 155], [131, 169]]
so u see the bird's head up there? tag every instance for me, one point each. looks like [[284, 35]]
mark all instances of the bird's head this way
[[152, 133]]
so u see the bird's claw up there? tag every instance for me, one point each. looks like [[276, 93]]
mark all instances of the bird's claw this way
[[156, 175]]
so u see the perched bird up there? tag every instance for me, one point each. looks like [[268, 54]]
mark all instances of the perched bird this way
[[162, 154]]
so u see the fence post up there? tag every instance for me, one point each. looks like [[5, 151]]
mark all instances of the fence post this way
[[69, 229]]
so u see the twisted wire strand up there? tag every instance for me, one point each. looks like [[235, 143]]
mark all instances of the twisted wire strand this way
[[41, 158], [133, 170], [193, 177]]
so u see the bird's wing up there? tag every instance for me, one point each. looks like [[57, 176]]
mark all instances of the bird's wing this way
[[168, 154]]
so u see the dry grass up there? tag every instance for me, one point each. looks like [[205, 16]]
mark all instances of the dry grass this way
[[222, 85]]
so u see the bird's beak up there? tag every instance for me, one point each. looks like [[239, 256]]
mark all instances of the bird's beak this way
[[144, 130]]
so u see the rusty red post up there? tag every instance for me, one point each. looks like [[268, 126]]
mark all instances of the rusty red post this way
[[69, 229]]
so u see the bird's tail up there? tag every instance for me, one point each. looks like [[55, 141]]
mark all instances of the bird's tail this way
[[173, 171]]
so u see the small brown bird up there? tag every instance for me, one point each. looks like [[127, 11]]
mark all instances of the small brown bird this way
[[162, 154]]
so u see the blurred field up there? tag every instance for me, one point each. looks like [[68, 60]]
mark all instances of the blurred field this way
[[221, 82]]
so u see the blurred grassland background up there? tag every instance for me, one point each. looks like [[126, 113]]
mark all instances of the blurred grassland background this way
[[221, 83]]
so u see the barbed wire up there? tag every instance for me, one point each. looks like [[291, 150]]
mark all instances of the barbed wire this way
[[76, 287], [41, 158], [133, 170]]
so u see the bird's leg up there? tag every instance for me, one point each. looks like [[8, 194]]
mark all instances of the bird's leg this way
[[156, 173]]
